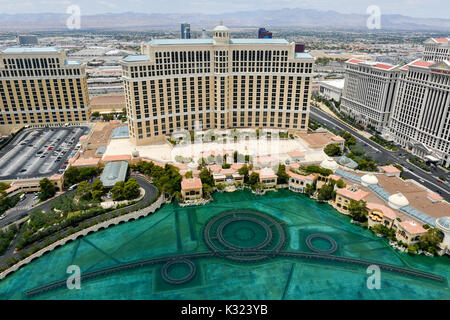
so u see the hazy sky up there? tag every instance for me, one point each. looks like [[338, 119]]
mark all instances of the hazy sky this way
[[414, 8]]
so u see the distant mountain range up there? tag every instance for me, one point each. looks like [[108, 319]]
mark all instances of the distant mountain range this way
[[306, 18]]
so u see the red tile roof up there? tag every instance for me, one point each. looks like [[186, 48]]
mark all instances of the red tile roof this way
[[390, 169], [296, 154], [337, 138], [354, 61], [383, 66], [387, 212], [354, 195], [117, 157], [412, 227], [192, 183], [434, 196], [299, 176], [441, 40], [86, 162], [237, 166], [421, 63]]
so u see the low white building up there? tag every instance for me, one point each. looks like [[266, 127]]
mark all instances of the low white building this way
[[331, 89]]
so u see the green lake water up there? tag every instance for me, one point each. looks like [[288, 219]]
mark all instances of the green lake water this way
[[173, 230]]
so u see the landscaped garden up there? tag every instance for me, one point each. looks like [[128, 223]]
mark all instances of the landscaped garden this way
[[384, 143]]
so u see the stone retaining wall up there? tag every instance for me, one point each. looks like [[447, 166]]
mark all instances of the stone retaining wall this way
[[103, 225]]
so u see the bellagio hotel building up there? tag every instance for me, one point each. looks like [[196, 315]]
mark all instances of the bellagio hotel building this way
[[39, 86], [217, 83]]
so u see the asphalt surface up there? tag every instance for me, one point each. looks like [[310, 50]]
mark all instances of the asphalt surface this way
[[150, 192], [28, 155], [380, 154]]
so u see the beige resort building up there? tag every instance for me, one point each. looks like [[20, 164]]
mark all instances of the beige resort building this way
[[41, 86], [218, 83]]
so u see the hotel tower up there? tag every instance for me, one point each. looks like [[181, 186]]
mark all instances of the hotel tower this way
[[219, 83], [40, 86]]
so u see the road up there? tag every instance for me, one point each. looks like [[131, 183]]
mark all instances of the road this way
[[378, 153]]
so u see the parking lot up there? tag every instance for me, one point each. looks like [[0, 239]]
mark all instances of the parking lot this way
[[40, 152]]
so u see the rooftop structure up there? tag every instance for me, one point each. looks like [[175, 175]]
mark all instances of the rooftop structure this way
[[390, 170], [191, 183], [329, 164], [368, 179], [398, 200], [412, 227], [331, 89], [120, 133], [114, 172], [352, 192]]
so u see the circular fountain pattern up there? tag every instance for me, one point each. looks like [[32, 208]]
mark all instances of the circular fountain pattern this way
[[332, 242], [244, 232], [169, 266]]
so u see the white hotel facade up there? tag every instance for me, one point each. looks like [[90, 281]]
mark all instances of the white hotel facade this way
[[217, 83], [408, 104], [368, 92], [421, 111], [437, 49]]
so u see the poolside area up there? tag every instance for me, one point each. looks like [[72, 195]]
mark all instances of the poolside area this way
[[166, 152], [175, 231]]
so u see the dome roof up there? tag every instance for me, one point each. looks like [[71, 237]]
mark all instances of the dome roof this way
[[398, 200], [329, 164], [444, 222], [221, 28], [369, 179]]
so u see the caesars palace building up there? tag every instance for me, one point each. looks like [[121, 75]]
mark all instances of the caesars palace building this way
[[218, 83]]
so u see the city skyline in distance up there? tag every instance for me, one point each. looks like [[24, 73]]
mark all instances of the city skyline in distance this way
[[412, 8], [292, 18]]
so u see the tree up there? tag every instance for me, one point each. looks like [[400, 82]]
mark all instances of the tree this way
[[98, 186], [310, 189], [358, 210], [325, 192], [244, 172], [340, 184], [383, 230], [282, 176], [84, 191], [118, 190], [253, 179], [365, 165], [188, 174], [333, 149], [206, 178], [47, 189], [3, 186], [430, 240], [207, 189], [97, 195], [131, 189], [74, 175], [349, 139], [220, 186]]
